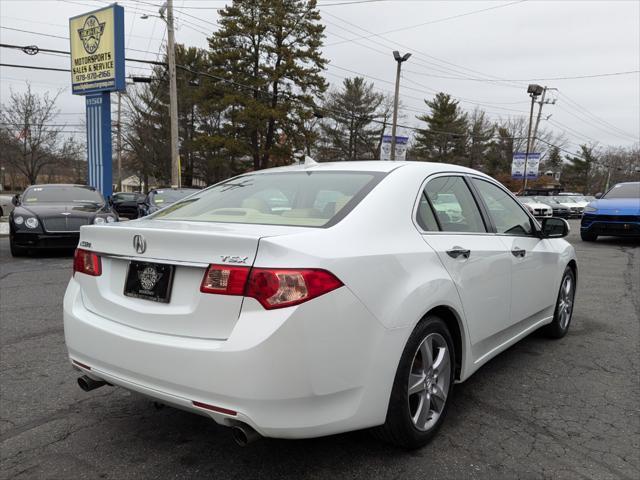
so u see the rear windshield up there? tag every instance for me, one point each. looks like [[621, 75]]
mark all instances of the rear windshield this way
[[624, 190], [168, 196], [126, 197], [307, 199], [61, 194]]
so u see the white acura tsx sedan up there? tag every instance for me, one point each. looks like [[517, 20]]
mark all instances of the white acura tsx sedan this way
[[309, 300]]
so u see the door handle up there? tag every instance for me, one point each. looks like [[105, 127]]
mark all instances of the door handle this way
[[456, 252], [518, 252]]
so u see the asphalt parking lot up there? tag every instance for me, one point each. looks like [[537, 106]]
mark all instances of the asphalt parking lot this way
[[543, 409]]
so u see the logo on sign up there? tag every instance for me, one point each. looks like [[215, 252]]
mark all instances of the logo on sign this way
[[90, 34], [139, 244]]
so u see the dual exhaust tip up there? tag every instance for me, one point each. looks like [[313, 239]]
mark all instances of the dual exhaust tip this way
[[241, 433]]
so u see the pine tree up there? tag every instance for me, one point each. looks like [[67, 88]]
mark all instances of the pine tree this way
[[554, 161], [481, 132], [350, 133], [444, 139], [268, 51], [582, 169]]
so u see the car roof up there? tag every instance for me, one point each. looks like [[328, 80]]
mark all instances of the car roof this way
[[372, 166], [39, 185]]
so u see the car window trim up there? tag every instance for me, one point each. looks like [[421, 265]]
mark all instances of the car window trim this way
[[416, 205], [433, 211], [535, 227]]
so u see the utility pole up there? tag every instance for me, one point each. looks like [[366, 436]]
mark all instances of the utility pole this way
[[173, 94], [534, 91], [540, 103], [399, 59], [119, 142]]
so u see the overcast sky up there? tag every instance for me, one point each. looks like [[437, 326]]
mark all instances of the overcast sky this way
[[483, 53]]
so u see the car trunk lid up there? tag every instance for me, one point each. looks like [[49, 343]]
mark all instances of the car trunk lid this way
[[188, 248]]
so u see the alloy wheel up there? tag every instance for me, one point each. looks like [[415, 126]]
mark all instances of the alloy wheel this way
[[565, 302], [429, 381]]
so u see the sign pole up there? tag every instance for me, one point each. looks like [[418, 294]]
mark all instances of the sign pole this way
[[99, 152]]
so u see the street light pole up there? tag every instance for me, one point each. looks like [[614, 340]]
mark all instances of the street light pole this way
[[399, 59], [534, 91], [173, 95]]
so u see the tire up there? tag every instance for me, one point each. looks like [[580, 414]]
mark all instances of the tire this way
[[17, 251], [408, 424], [563, 312], [588, 237]]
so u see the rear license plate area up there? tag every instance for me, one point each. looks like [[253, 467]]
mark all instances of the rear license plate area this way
[[149, 281]]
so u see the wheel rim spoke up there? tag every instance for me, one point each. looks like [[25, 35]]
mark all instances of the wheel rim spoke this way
[[427, 354], [438, 398], [424, 412], [416, 383]]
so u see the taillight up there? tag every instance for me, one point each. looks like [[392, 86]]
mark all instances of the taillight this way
[[87, 262], [273, 288], [276, 288], [225, 280]]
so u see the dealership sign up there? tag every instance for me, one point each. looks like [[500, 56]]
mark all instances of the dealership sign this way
[[518, 165], [97, 50], [401, 147], [97, 69]]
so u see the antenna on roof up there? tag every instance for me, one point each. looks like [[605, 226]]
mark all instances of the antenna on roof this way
[[308, 161]]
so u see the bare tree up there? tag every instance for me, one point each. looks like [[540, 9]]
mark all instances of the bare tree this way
[[26, 123]]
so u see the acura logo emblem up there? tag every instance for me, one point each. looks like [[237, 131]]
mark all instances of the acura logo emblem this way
[[139, 243]]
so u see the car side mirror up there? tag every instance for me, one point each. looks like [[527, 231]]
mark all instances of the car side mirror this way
[[554, 227], [15, 200], [598, 195]]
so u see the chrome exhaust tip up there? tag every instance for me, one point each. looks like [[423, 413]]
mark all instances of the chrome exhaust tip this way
[[87, 383], [243, 434]]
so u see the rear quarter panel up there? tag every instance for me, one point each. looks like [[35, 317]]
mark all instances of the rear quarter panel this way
[[378, 253]]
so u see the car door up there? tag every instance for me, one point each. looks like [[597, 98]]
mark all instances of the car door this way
[[477, 260], [534, 260]]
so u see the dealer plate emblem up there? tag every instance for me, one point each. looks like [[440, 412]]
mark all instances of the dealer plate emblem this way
[[149, 277]]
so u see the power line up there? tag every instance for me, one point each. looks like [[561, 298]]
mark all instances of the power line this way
[[51, 35], [444, 19], [32, 67], [572, 103], [455, 69], [593, 124]]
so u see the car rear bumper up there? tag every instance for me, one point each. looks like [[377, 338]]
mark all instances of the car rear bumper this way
[[316, 369], [37, 240]]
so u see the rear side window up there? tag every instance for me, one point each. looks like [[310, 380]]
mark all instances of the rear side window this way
[[308, 199], [507, 215], [453, 205]]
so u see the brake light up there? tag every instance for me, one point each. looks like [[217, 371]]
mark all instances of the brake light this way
[[225, 280], [273, 288], [87, 262]]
